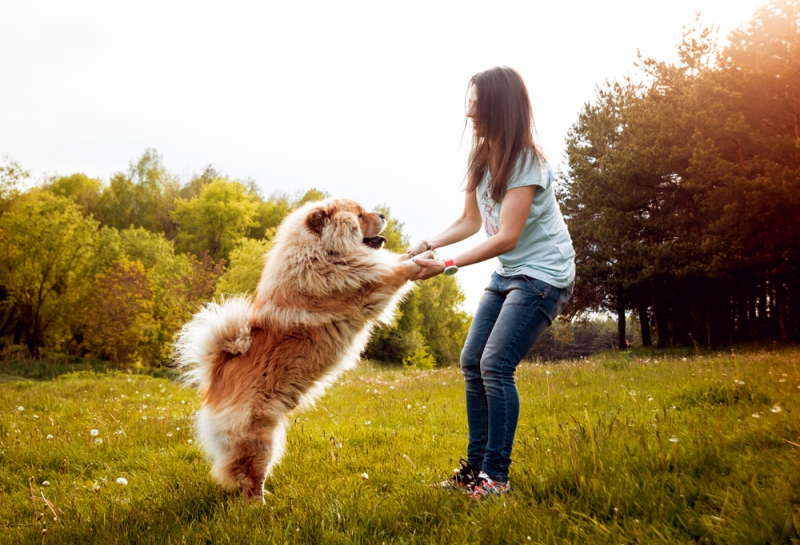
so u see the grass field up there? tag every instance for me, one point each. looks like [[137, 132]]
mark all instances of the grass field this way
[[642, 447]]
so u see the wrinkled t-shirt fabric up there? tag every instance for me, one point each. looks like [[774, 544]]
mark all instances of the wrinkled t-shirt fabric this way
[[544, 250]]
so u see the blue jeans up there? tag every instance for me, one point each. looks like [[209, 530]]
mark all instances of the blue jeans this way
[[512, 313]]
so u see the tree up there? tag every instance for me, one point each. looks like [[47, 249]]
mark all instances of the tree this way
[[216, 219], [144, 196], [47, 246], [246, 264], [80, 189], [119, 316]]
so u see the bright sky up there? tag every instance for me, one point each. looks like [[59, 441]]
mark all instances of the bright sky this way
[[363, 99]]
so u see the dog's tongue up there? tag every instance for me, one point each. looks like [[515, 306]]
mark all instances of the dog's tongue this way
[[375, 242]]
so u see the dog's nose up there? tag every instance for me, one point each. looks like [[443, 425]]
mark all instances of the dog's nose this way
[[382, 216]]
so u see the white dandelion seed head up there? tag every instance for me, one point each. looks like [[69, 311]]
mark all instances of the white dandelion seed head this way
[[122, 480], [49, 436], [169, 434], [673, 439], [98, 441], [408, 407], [96, 486], [45, 483], [20, 408], [177, 429], [94, 433], [368, 422], [144, 417], [755, 415], [649, 399], [189, 441], [547, 373], [35, 417], [364, 476], [775, 409]]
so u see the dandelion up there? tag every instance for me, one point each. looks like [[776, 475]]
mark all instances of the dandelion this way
[[684, 359], [20, 408], [739, 382], [177, 429], [408, 407], [45, 483], [364, 476], [169, 434], [94, 433], [122, 480], [649, 399], [49, 436], [424, 407], [547, 373], [183, 402], [673, 439], [755, 415], [189, 441], [36, 417], [775, 409], [368, 422], [96, 486], [144, 417], [98, 441]]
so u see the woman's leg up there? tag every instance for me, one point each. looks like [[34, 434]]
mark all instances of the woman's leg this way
[[482, 324], [529, 306]]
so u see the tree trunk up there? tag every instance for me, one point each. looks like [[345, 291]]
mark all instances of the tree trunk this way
[[621, 319], [660, 316], [644, 322], [781, 300]]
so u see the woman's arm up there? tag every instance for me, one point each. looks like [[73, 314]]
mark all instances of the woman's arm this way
[[513, 215]]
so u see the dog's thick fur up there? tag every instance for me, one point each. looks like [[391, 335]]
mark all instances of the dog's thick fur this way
[[322, 290]]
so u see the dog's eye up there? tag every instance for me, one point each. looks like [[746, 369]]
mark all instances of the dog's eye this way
[[360, 214]]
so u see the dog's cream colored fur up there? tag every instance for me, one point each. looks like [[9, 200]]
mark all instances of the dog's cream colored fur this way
[[321, 291]]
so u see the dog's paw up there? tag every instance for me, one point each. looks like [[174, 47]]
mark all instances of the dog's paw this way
[[425, 255], [419, 247]]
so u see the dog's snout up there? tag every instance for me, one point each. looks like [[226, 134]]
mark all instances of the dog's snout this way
[[382, 216]]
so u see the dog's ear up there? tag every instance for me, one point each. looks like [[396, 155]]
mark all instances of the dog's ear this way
[[316, 220]]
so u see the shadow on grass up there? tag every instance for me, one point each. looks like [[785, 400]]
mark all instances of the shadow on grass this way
[[15, 370]]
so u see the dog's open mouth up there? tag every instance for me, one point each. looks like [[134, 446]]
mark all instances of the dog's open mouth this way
[[375, 242]]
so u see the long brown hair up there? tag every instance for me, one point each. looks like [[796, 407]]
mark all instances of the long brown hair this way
[[503, 129]]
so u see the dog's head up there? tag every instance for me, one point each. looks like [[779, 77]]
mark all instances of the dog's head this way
[[343, 225]]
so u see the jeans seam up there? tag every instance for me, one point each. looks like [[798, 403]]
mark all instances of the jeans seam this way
[[540, 293]]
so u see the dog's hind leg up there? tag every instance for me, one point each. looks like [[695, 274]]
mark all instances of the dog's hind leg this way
[[254, 455]]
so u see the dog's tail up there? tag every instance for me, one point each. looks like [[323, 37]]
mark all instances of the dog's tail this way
[[216, 330]]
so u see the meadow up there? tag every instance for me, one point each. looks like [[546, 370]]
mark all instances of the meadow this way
[[637, 447]]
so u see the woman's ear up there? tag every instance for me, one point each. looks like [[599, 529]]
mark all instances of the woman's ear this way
[[316, 220]]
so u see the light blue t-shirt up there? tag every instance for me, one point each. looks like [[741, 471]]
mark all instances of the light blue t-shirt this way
[[544, 250]]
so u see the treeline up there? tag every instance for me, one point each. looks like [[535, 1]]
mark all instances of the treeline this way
[[682, 193], [114, 270]]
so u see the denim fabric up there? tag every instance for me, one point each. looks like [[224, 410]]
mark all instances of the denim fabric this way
[[512, 313]]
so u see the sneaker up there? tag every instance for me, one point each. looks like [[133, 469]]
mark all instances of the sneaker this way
[[484, 486], [464, 477]]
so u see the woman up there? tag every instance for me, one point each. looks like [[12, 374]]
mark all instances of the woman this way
[[510, 194]]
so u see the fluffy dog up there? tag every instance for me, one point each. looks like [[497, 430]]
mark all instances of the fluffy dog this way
[[325, 283]]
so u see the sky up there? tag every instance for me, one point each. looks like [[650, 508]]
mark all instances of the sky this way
[[362, 99]]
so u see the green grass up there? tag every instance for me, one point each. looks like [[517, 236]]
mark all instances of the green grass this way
[[621, 448]]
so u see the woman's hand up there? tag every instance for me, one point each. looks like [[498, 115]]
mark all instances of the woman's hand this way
[[428, 268]]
